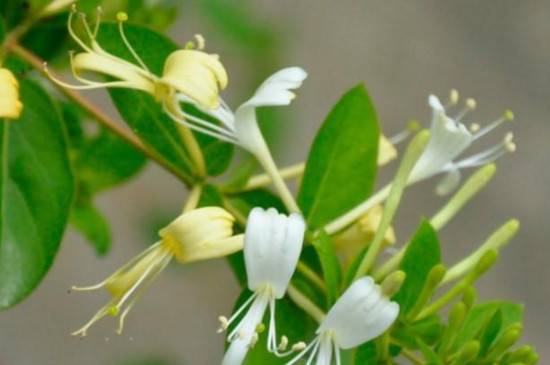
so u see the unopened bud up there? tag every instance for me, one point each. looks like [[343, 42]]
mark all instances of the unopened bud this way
[[392, 283]]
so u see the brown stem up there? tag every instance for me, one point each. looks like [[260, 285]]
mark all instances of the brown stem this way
[[94, 110]]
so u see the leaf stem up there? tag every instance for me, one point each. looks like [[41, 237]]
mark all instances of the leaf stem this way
[[96, 112]]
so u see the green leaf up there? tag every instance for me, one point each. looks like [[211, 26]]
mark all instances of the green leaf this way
[[428, 330], [366, 354], [332, 271], [479, 316], [490, 333], [421, 255], [37, 190], [93, 226], [429, 355], [341, 166]]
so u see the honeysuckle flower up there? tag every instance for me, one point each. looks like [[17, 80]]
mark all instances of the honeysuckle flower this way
[[361, 314], [272, 246], [10, 105], [241, 127], [200, 234], [197, 75], [449, 139], [352, 240]]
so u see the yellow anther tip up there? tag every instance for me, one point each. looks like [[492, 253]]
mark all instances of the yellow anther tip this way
[[73, 8], [122, 16], [453, 96], [471, 104], [260, 328], [413, 125], [298, 346], [474, 127], [509, 115]]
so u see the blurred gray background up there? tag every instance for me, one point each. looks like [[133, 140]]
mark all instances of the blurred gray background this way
[[497, 51]]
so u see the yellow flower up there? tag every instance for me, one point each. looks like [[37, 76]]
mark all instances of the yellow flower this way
[[201, 234], [10, 105], [189, 75], [356, 237]]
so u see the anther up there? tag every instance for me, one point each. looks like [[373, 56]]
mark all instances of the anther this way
[[200, 41], [508, 115], [283, 344], [73, 8], [122, 16], [453, 97], [223, 323], [299, 346], [253, 340], [241, 334], [474, 127], [260, 328], [471, 104]]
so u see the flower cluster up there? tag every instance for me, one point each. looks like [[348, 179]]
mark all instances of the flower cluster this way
[[364, 306]]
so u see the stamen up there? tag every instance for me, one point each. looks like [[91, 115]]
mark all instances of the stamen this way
[[99, 11], [508, 116], [200, 42], [253, 340], [223, 324], [298, 346], [122, 17], [491, 154], [453, 98], [412, 127], [237, 313], [224, 137], [469, 106], [283, 344], [474, 127], [73, 34]]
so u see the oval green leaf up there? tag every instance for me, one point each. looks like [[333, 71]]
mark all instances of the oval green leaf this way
[[341, 166], [36, 194]]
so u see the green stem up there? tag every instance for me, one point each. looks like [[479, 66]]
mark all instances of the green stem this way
[[97, 113], [305, 304], [193, 198], [413, 153]]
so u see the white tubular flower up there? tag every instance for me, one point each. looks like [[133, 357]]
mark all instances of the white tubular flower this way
[[361, 314], [200, 234], [192, 73], [272, 246], [10, 105], [241, 127], [449, 138]]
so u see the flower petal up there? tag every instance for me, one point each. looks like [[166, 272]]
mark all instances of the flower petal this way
[[360, 314], [272, 246]]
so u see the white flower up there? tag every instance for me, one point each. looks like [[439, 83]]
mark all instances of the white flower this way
[[449, 138], [241, 127], [272, 246], [361, 314]]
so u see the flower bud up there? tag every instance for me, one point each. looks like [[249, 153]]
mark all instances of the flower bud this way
[[10, 105]]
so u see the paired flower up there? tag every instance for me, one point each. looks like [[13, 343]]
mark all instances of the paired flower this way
[[200, 234], [361, 314], [272, 246], [10, 105], [193, 74], [449, 138]]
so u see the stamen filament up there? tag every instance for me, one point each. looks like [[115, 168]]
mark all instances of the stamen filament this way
[[129, 46]]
